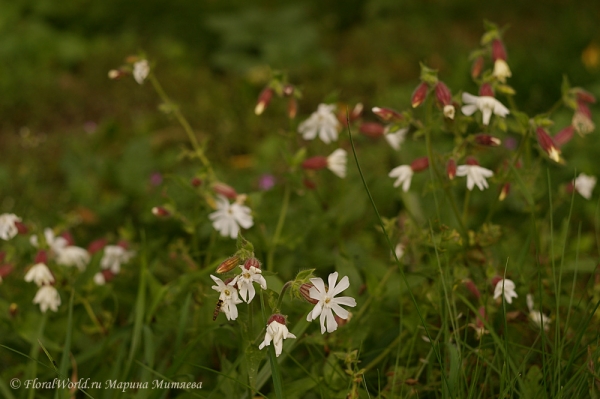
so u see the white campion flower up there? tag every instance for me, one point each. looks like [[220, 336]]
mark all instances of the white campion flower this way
[[536, 316], [508, 286], [486, 104], [114, 256], [99, 279], [39, 274], [228, 218], [8, 229], [73, 256], [276, 332], [48, 298], [584, 185], [403, 175], [476, 175], [141, 70], [336, 162], [55, 243], [244, 282], [327, 301], [501, 70], [323, 123], [229, 296], [395, 139]]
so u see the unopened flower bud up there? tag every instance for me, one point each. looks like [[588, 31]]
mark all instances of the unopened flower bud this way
[[498, 51], [486, 90], [470, 285], [315, 163], [477, 67], [21, 228], [114, 74], [225, 190], [161, 212], [471, 161], [564, 136], [96, 246], [419, 94], [251, 262], [305, 292], [279, 318], [108, 275], [196, 182], [342, 322], [228, 264], [41, 257], [5, 270], [292, 108], [451, 169], [548, 144], [443, 94], [487, 140], [387, 114], [372, 129], [69, 237], [584, 96], [263, 100], [504, 191], [419, 164]]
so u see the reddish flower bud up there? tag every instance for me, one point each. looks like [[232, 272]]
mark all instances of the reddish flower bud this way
[[196, 182], [585, 96], [251, 262], [443, 94], [292, 108], [548, 144], [5, 270], [305, 292], [372, 129], [470, 285], [481, 317], [487, 140], [263, 100], [419, 95], [2, 256], [495, 280], [471, 161], [498, 51], [342, 322], [584, 109], [123, 244], [67, 236], [115, 74], [225, 190], [451, 169], [161, 212], [228, 264], [315, 163], [504, 191], [564, 136], [486, 90], [41, 257], [108, 275], [419, 164], [21, 228], [387, 114], [477, 67], [279, 318], [96, 246]]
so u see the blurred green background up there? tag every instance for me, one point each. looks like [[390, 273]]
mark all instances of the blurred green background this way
[[57, 106]]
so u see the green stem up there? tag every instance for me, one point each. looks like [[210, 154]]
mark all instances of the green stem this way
[[281, 295], [466, 207], [278, 228]]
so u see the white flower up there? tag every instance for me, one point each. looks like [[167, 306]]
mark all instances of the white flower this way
[[73, 256], [99, 279], [328, 302], [47, 297], [449, 111], [486, 104], [39, 274], [476, 175], [244, 282], [228, 218], [229, 296], [323, 123], [113, 256], [395, 139], [8, 229], [501, 70], [399, 250], [276, 332], [536, 316], [403, 175], [509, 290], [56, 244], [584, 185], [141, 69], [336, 162]]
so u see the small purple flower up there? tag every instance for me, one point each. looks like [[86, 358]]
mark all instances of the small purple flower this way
[[511, 143], [266, 182], [156, 179]]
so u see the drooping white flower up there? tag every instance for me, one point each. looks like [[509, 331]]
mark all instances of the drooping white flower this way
[[584, 185], [141, 69], [73, 256], [48, 298], [55, 243], [476, 175], [8, 229], [244, 282], [323, 123], [228, 218], [395, 139], [536, 316], [229, 296], [486, 104], [99, 279], [114, 256], [336, 162], [508, 287], [501, 70], [39, 274], [276, 332], [403, 175], [327, 301], [399, 250]]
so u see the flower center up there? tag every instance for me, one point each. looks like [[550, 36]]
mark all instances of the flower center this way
[[246, 276], [227, 292]]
